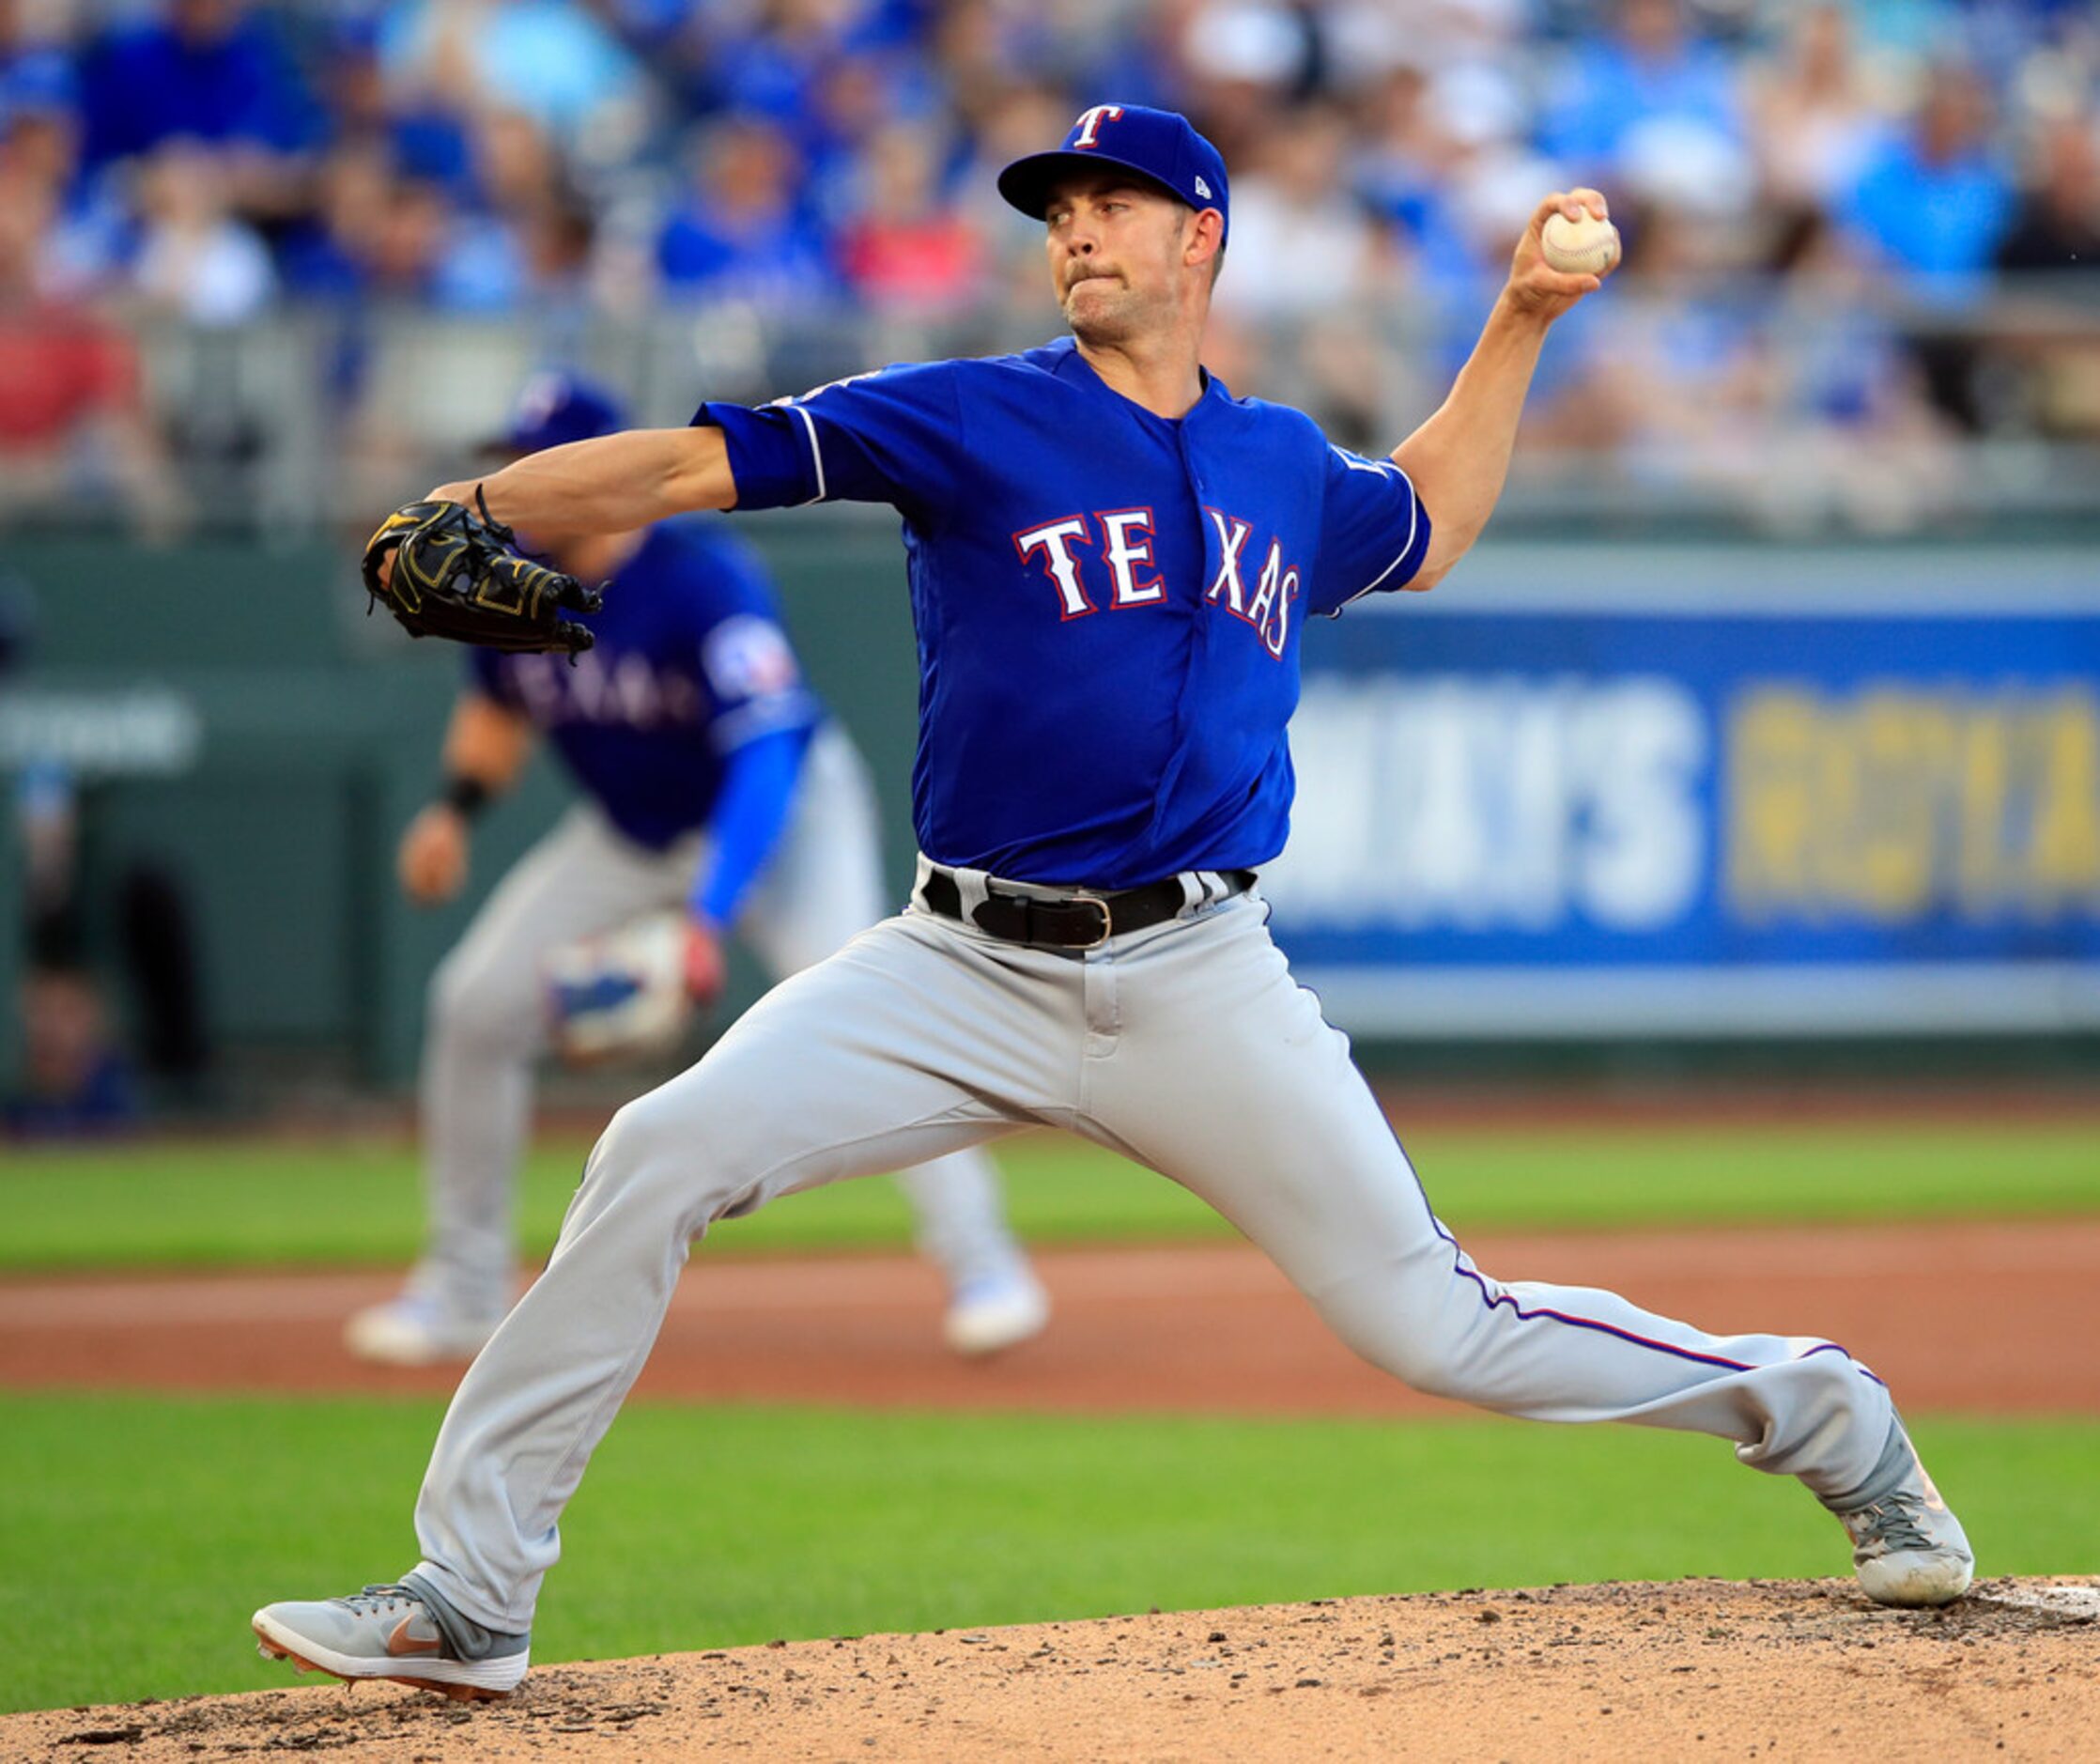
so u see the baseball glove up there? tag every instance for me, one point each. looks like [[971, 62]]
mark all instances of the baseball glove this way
[[461, 576], [621, 993]]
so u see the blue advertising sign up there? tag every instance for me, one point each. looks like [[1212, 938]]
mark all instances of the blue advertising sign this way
[[1745, 809]]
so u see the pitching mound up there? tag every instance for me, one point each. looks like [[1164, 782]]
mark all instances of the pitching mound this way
[[1802, 1669]]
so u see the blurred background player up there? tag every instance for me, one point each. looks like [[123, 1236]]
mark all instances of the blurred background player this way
[[712, 777]]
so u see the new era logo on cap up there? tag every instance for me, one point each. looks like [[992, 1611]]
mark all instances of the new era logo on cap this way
[[1159, 146]]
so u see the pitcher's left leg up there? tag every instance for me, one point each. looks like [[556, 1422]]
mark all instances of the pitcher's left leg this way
[[1225, 1077]]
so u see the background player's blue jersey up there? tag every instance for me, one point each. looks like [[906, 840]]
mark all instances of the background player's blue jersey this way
[[691, 664], [1107, 601]]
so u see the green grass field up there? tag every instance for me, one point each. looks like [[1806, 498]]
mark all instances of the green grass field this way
[[267, 1203], [141, 1532]]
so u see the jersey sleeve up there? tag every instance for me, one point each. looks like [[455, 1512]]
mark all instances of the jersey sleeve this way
[[1374, 530], [750, 811], [754, 683], [893, 436]]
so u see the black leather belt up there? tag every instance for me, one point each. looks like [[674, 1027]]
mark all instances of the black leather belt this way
[[1075, 922]]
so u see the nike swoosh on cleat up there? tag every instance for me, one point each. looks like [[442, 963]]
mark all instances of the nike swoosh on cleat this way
[[401, 1644]]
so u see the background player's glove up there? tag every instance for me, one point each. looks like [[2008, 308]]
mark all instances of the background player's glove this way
[[459, 575], [621, 993]]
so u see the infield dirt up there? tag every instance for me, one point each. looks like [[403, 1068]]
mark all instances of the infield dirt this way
[[1984, 1318], [1691, 1669]]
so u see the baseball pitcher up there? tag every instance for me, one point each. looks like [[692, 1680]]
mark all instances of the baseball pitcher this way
[[1111, 561]]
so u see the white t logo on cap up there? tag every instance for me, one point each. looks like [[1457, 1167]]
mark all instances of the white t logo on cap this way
[[1090, 123]]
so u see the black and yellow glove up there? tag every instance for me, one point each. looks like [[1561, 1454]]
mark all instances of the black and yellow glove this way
[[460, 574]]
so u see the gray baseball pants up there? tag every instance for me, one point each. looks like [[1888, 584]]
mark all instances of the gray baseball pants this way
[[822, 885], [1186, 1046]]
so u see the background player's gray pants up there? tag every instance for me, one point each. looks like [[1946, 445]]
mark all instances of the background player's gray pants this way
[[1187, 1046], [486, 1023]]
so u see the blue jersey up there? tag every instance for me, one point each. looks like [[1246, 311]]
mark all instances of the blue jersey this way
[[690, 665], [1107, 601]]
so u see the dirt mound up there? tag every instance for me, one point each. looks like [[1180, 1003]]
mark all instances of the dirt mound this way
[[1802, 1669]]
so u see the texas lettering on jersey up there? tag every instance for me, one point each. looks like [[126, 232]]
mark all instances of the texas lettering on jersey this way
[[606, 688], [1120, 540]]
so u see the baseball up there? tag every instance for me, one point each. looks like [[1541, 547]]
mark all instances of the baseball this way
[[1585, 247]]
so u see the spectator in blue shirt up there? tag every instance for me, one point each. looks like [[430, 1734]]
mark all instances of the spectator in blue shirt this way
[[1931, 205], [742, 232], [76, 1082], [1650, 72], [1935, 200], [34, 75], [553, 59], [207, 70]]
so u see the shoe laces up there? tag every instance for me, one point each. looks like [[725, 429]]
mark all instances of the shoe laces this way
[[1896, 1522], [380, 1598]]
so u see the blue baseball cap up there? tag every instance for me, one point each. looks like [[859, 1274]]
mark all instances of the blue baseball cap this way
[[556, 408], [1160, 145]]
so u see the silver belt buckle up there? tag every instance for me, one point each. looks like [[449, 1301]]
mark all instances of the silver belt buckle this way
[[1108, 921]]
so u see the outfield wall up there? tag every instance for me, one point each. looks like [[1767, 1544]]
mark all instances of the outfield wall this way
[[1583, 790]]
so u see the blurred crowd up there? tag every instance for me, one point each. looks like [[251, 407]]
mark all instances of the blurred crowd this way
[[1862, 238]]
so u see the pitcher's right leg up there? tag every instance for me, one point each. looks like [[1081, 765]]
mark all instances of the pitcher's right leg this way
[[484, 1026], [897, 1050]]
